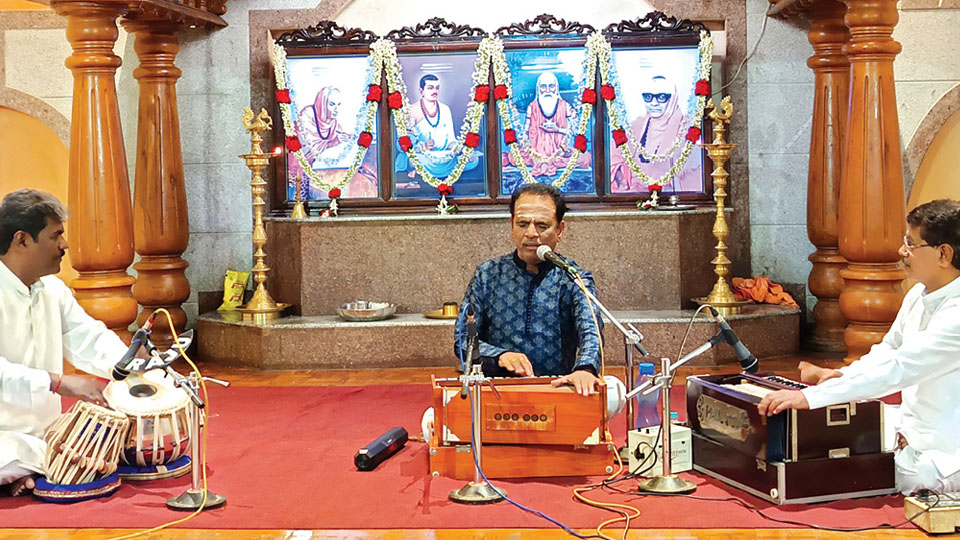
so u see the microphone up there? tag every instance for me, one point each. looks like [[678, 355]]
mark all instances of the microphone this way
[[120, 371], [747, 361], [473, 349], [379, 449], [544, 253]]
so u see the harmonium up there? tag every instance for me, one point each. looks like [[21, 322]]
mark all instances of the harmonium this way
[[825, 454], [531, 429]]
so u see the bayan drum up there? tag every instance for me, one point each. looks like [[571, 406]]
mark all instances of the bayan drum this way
[[83, 450], [160, 425]]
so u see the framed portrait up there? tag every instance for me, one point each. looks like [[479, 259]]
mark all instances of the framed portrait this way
[[658, 107], [438, 92], [327, 95], [547, 84]]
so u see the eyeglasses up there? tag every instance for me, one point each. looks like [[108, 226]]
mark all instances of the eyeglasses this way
[[910, 247], [661, 98]]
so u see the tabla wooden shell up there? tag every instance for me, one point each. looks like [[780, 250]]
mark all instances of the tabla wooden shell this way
[[160, 424], [84, 444]]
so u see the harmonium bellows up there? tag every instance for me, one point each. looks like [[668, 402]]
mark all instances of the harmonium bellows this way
[[823, 454], [529, 428]]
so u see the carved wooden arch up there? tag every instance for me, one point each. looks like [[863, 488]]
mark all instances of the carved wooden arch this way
[[38, 109], [916, 149]]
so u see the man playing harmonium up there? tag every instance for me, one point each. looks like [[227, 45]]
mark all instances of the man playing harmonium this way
[[531, 318], [919, 356], [41, 324]]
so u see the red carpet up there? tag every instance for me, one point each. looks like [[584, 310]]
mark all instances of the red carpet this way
[[283, 457]]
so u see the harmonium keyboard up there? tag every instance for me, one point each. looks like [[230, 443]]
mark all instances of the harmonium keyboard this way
[[531, 430], [824, 454]]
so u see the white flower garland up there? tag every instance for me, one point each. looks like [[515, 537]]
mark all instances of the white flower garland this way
[[367, 112], [490, 54], [615, 108], [471, 123], [509, 114]]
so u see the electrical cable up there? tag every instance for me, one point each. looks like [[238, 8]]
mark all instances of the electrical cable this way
[[763, 28]]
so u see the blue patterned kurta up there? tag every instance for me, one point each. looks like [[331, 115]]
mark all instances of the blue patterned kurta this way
[[544, 316]]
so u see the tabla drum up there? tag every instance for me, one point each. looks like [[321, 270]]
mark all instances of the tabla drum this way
[[83, 450], [160, 425]]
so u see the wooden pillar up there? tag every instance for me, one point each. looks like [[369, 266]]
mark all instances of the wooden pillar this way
[[160, 229], [99, 228], [831, 91], [872, 210]]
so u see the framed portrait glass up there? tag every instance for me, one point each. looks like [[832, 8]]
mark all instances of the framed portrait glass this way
[[328, 98], [439, 91], [546, 107], [658, 107]]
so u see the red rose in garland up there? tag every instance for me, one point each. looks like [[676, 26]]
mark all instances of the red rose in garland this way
[[509, 136], [445, 189], [472, 140], [395, 100], [655, 188], [589, 96], [365, 139], [703, 88], [293, 144], [481, 93], [374, 93], [619, 136], [607, 92], [405, 143], [334, 193], [580, 143], [693, 134], [499, 92], [283, 96]]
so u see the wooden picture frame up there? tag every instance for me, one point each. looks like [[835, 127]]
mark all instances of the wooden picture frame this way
[[446, 48]]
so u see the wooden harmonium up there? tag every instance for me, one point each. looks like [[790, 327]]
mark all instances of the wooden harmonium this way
[[830, 453], [531, 429], [724, 408]]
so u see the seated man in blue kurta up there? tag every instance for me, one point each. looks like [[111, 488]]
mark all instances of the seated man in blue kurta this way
[[531, 318]]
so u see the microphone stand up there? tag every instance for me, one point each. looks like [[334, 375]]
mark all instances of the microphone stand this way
[[631, 340], [478, 491], [667, 482], [193, 498]]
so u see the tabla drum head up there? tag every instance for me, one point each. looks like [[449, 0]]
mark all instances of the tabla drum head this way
[[145, 394]]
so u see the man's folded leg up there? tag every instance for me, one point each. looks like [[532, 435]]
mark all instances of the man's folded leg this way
[[916, 471]]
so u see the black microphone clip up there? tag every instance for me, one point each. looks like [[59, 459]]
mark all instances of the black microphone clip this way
[[473, 349], [748, 361]]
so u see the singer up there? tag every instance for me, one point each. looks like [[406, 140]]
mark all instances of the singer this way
[[41, 325], [919, 356], [531, 319]]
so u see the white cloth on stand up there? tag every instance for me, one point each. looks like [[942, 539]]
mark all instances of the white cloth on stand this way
[[42, 325], [920, 357]]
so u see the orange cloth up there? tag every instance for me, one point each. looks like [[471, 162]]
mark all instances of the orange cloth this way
[[761, 289]]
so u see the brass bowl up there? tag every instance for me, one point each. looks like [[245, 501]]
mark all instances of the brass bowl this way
[[366, 311]]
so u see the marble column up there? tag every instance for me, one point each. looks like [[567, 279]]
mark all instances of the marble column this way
[[99, 229], [871, 224], [831, 91], [160, 228]]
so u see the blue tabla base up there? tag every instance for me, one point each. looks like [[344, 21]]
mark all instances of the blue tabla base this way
[[136, 473], [71, 493]]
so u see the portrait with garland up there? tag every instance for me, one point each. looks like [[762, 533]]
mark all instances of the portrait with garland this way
[[609, 116]]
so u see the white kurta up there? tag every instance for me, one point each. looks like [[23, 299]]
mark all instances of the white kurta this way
[[39, 328], [919, 356]]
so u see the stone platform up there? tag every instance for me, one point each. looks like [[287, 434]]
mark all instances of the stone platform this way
[[412, 340], [639, 260]]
